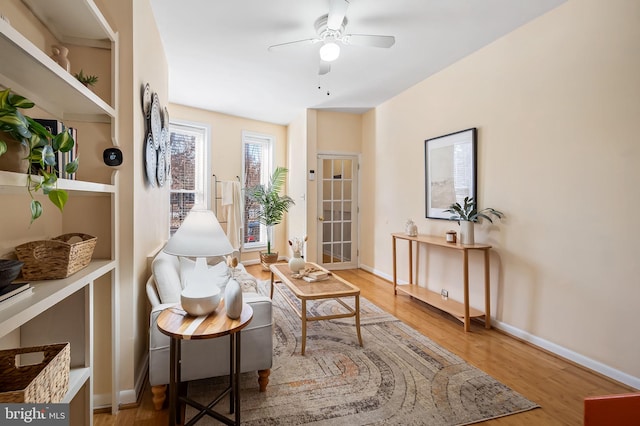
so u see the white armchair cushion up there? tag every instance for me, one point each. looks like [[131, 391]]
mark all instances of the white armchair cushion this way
[[165, 271]]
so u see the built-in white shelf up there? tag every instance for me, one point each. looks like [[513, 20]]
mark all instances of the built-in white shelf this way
[[11, 182], [78, 377], [30, 72], [48, 293], [63, 310], [89, 25]]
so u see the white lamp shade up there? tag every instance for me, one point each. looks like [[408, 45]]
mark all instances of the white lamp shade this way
[[329, 51], [200, 235]]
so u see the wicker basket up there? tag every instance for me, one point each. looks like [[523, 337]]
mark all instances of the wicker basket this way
[[56, 258], [46, 382]]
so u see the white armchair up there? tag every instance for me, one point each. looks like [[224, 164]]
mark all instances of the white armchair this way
[[205, 358]]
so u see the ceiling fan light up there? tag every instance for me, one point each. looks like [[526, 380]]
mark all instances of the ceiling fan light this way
[[329, 52]]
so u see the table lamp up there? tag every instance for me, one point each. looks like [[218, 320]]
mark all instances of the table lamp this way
[[199, 236]]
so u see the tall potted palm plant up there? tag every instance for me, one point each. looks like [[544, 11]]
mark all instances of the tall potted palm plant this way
[[273, 207]]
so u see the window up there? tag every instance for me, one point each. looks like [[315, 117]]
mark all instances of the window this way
[[257, 166], [189, 170]]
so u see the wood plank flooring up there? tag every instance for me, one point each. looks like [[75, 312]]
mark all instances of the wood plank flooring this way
[[557, 385]]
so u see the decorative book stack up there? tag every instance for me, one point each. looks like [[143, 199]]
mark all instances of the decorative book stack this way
[[55, 127], [13, 293], [316, 276]]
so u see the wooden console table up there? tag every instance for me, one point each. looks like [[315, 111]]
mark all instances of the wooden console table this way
[[462, 311]]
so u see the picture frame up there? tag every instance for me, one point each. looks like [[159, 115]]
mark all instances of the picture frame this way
[[450, 164]]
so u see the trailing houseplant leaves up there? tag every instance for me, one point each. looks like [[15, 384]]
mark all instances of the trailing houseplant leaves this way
[[72, 167], [58, 198], [36, 210], [48, 156], [42, 148]]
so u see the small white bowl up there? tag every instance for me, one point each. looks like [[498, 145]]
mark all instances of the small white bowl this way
[[197, 300]]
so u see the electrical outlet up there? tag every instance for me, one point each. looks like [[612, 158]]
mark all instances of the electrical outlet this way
[[444, 293]]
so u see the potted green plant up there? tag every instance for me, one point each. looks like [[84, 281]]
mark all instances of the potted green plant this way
[[273, 207], [87, 80], [467, 213], [36, 150]]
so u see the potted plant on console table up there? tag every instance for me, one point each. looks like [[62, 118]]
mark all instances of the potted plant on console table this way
[[468, 213], [28, 147], [273, 207]]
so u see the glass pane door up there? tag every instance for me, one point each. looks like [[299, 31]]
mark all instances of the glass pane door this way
[[337, 219]]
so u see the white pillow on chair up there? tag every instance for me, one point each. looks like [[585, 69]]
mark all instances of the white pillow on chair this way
[[218, 273]]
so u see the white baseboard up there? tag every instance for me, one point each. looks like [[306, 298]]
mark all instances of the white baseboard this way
[[556, 349], [381, 274], [563, 352], [125, 396]]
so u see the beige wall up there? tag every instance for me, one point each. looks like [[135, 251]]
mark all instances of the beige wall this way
[[142, 227], [150, 224], [339, 132], [556, 104], [226, 151], [298, 171], [327, 132]]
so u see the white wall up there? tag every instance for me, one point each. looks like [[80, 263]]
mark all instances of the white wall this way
[[556, 104]]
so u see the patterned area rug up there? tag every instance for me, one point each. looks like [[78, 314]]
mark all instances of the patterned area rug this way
[[399, 377]]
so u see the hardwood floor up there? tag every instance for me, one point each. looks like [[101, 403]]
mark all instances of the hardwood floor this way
[[558, 386]]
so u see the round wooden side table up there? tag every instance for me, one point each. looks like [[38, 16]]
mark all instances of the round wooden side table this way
[[179, 326]]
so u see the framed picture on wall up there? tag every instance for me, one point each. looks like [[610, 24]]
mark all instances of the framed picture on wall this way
[[450, 171]]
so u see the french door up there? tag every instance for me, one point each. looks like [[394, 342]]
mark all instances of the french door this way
[[338, 211]]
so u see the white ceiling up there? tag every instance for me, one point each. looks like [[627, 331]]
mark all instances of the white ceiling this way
[[218, 58]]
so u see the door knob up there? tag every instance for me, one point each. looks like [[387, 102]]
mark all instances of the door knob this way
[[321, 218]]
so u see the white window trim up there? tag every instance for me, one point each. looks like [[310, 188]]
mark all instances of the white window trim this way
[[269, 141], [205, 167]]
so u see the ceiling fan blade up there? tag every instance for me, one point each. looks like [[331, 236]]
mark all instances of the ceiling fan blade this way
[[325, 67], [337, 12], [369, 40], [294, 43]]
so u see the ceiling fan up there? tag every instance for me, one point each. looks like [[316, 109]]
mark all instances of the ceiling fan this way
[[331, 30]]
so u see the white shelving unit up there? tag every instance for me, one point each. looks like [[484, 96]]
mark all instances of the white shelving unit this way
[[63, 310]]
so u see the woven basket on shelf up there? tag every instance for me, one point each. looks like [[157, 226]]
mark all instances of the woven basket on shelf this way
[[45, 382], [56, 258]]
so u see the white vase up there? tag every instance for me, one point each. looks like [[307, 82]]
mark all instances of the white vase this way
[[233, 299], [466, 232], [296, 263]]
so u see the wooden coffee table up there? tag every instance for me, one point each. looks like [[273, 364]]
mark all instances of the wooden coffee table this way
[[333, 287]]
